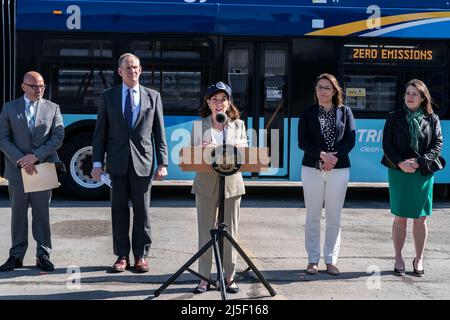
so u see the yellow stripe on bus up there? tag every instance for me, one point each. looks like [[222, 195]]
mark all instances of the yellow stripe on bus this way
[[357, 26]]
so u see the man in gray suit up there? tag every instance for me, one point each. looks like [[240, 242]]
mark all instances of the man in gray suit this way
[[129, 119], [31, 130]]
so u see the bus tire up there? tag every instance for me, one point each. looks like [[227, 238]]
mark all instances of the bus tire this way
[[76, 153]]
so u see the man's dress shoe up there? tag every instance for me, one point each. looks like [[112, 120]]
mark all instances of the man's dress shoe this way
[[11, 264], [44, 263], [141, 265]]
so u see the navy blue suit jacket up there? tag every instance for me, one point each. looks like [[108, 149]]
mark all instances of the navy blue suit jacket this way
[[310, 139]]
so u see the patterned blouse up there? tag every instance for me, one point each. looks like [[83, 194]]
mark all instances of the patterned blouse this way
[[328, 126]]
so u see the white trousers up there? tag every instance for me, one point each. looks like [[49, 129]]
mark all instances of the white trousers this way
[[324, 188]]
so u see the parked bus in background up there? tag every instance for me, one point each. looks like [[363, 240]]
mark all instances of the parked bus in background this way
[[269, 51]]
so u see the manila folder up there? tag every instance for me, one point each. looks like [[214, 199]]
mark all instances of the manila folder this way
[[44, 179]]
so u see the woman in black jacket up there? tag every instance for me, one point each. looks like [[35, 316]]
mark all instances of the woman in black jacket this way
[[326, 134], [412, 141]]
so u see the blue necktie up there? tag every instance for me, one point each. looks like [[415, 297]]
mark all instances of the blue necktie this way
[[30, 113], [128, 112]]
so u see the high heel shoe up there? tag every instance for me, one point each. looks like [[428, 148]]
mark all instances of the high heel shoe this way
[[417, 272], [399, 271]]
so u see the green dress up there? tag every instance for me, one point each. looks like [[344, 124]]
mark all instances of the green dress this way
[[411, 194]]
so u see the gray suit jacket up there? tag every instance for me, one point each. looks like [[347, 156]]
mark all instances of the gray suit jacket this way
[[113, 136], [16, 140], [206, 183]]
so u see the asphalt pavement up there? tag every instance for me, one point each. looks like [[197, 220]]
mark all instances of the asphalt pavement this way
[[271, 233]]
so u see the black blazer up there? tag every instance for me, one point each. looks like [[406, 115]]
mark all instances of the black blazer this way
[[112, 135], [310, 139], [396, 140]]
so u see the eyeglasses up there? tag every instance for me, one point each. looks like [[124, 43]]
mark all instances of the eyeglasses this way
[[35, 87], [320, 88]]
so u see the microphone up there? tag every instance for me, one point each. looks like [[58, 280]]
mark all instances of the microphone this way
[[221, 117]]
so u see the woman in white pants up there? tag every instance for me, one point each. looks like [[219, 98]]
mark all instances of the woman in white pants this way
[[326, 134]]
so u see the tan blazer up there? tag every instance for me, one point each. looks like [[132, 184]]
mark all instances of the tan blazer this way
[[206, 184]]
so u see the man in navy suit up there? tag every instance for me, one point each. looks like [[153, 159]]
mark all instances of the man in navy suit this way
[[130, 125]]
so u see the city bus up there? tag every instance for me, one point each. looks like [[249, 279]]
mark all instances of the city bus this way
[[268, 51]]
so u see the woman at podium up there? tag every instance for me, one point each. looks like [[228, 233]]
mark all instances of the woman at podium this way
[[218, 99]]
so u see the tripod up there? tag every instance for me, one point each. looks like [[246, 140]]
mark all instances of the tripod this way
[[216, 242], [217, 236]]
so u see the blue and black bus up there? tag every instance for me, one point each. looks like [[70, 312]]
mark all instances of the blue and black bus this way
[[270, 52]]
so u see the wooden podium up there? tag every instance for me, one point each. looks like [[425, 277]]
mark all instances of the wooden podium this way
[[200, 159], [224, 161]]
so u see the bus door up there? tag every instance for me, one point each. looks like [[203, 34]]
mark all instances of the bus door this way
[[257, 73]]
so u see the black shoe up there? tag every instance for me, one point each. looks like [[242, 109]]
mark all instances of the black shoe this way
[[202, 289], [11, 264], [232, 290], [44, 263], [399, 271], [417, 272]]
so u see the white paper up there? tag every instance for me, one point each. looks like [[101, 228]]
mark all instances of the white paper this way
[[105, 179]]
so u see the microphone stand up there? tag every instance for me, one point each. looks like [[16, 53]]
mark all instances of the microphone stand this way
[[221, 216]]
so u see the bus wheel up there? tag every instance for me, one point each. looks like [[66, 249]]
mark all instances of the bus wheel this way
[[76, 154]]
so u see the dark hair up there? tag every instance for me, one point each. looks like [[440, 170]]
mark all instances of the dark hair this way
[[232, 112], [424, 92], [338, 98]]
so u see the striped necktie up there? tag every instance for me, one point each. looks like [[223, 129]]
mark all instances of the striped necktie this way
[[30, 112]]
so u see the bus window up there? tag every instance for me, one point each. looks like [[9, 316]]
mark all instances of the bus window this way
[[77, 48], [76, 88], [177, 68], [80, 69], [370, 92], [180, 89], [178, 49], [238, 76]]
